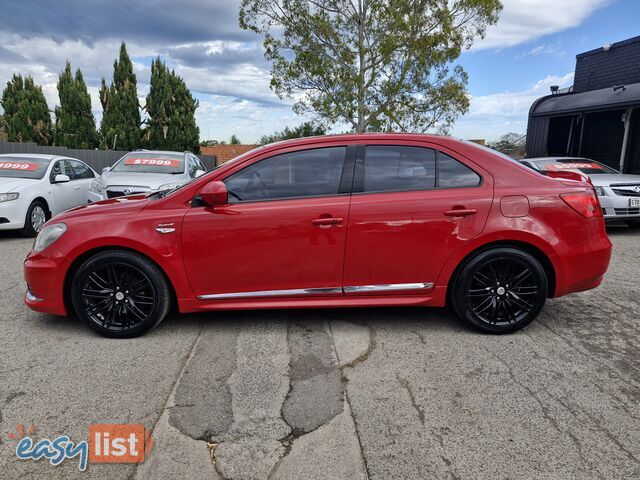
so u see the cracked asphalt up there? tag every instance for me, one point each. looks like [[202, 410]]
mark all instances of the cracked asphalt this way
[[340, 394]]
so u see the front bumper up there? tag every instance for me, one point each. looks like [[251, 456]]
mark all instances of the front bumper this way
[[616, 207], [45, 282], [12, 214]]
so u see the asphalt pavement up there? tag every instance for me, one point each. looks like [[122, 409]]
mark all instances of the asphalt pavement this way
[[347, 394]]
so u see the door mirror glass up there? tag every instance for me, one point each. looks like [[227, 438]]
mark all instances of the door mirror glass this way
[[214, 193], [61, 179], [199, 173]]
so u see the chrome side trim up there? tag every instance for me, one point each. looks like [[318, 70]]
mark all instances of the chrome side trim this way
[[296, 292], [389, 287]]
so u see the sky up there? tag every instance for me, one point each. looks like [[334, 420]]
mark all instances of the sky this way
[[532, 47]]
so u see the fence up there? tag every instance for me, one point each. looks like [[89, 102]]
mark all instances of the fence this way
[[96, 159]]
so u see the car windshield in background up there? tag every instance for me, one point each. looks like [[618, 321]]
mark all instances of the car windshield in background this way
[[585, 166], [23, 167], [149, 162]]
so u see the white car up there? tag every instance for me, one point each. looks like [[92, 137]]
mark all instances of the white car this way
[[34, 188], [146, 171], [619, 193]]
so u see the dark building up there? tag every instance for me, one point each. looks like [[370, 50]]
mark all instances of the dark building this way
[[597, 118]]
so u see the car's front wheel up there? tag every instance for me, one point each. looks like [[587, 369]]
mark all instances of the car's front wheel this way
[[35, 219], [120, 294], [500, 290]]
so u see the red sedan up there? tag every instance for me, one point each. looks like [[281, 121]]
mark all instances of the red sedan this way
[[335, 221]]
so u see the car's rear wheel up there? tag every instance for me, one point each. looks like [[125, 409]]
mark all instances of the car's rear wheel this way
[[35, 219], [120, 294], [500, 290]]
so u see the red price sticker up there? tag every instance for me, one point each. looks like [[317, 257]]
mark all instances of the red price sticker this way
[[557, 167], [21, 166], [153, 162]]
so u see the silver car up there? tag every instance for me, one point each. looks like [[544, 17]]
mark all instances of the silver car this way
[[146, 171], [619, 193]]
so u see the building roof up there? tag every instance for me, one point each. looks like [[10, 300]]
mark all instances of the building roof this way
[[605, 98], [606, 48], [224, 153]]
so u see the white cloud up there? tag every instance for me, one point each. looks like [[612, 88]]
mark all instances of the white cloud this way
[[493, 115], [525, 20]]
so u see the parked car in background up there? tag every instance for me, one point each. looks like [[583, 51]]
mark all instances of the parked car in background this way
[[34, 188], [146, 171], [332, 221], [619, 194]]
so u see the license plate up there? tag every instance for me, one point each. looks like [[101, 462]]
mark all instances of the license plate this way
[[634, 202]]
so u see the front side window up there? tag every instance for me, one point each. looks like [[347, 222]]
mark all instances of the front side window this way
[[193, 167], [307, 173], [80, 170], [61, 167], [398, 168]]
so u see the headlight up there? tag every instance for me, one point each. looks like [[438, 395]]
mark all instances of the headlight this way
[[169, 186], [48, 235], [600, 192], [7, 197], [96, 187]]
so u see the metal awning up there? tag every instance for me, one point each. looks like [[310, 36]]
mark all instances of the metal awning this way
[[603, 99]]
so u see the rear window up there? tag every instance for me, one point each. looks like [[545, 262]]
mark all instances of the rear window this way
[[150, 162], [585, 166], [23, 167]]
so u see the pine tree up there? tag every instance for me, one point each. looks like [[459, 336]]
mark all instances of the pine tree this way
[[75, 125], [26, 115], [121, 112], [171, 108]]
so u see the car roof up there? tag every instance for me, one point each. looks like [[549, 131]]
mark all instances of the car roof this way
[[168, 152], [555, 159], [40, 156], [360, 136]]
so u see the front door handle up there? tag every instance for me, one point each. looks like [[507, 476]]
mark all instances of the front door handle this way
[[460, 212], [327, 221]]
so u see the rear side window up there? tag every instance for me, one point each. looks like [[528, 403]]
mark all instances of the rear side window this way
[[307, 173], [396, 168], [453, 174]]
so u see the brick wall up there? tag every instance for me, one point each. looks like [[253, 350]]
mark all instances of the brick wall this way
[[605, 68]]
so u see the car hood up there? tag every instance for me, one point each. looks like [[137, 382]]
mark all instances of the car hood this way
[[151, 180], [604, 180], [113, 206], [8, 184]]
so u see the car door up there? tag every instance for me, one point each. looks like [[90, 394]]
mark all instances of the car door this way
[[411, 207], [64, 193], [282, 233], [83, 175]]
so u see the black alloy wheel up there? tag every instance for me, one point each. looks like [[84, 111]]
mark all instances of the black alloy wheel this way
[[500, 290], [120, 294]]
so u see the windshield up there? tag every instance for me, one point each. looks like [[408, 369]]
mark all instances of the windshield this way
[[150, 162], [23, 167], [577, 164]]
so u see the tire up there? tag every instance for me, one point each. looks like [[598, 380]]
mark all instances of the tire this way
[[635, 224], [120, 294], [484, 294], [37, 214]]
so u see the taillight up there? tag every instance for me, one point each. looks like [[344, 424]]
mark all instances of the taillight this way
[[585, 203]]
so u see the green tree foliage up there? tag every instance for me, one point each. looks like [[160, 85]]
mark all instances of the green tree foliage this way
[[374, 64], [234, 140], [121, 111], [171, 108], [512, 143], [75, 125], [26, 115], [307, 129]]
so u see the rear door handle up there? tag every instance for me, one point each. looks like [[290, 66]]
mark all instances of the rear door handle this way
[[327, 221], [460, 212]]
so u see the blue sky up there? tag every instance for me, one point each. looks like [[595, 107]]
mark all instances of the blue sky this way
[[533, 46]]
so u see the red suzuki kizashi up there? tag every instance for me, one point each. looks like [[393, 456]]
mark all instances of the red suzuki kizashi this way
[[335, 221]]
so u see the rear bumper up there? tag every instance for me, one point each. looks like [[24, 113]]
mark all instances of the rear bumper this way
[[583, 267], [45, 279]]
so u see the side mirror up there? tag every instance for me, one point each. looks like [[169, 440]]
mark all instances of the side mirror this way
[[199, 173], [214, 193], [106, 169], [61, 179]]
